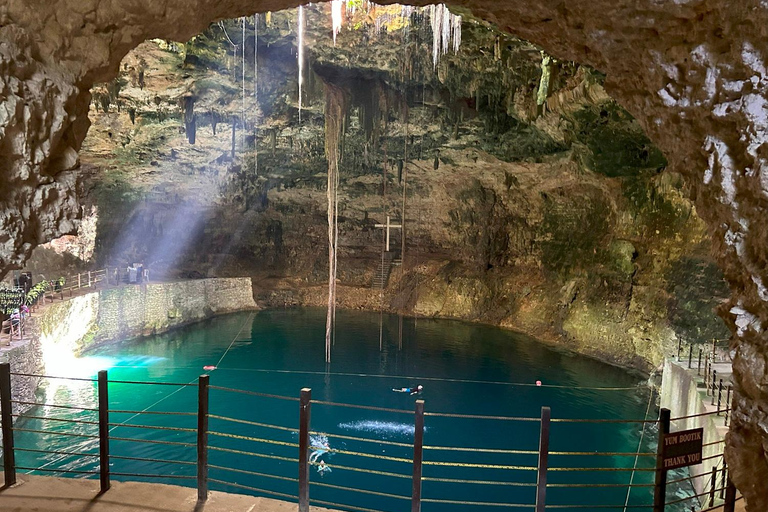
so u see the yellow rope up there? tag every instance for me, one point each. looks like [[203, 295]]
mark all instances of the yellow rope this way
[[254, 439]]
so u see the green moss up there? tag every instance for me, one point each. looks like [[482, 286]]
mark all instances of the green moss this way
[[617, 145], [696, 287]]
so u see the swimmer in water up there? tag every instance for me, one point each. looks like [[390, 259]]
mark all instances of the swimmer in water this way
[[319, 450], [413, 391], [323, 468]]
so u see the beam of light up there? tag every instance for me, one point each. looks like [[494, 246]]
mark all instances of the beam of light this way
[[337, 8], [301, 54]]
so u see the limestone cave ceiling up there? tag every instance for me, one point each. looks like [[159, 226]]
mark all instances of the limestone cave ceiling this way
[[692, 73]]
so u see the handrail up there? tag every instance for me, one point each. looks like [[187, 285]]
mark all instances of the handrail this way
[[496, 466]]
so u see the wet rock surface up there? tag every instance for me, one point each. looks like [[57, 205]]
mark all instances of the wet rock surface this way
[[692, 73]]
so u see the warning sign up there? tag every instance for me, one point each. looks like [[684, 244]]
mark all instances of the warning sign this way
[[682, 448]]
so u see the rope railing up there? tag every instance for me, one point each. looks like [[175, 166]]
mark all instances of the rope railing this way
[[255, 393], [497, 467]]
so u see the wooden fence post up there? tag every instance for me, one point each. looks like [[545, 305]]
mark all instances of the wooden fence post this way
[[103, 432], [660, 489], [541, 480], [730, 497], [418, 452], [690, 356], [202, 438], [9, 459], [713, 487], [305, 404]]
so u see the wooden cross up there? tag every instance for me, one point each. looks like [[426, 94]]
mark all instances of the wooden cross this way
[[389, 226]]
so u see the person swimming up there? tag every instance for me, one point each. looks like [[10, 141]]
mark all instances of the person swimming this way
[[413, 391], [318, 450], [323, 468]]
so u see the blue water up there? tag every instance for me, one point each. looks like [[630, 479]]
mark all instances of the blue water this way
[[464, 368]]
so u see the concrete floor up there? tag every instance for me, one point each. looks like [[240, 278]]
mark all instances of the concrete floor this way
[[49, 494]]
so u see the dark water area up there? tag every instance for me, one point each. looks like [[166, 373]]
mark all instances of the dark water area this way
[[465, 369]]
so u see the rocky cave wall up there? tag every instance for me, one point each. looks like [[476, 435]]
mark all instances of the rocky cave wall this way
[[692, 72]]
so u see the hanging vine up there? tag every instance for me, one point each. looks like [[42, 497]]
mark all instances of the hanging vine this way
[[335, 115]]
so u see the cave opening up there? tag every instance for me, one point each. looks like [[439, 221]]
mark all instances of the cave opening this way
[[565, 216]]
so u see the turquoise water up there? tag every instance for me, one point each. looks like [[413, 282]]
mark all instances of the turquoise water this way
[[464, 368]]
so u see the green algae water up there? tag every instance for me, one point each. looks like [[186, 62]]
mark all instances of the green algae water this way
[[465, 369]]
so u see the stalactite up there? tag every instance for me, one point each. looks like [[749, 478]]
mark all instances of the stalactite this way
[[300, 29], [335, 115], [337, 7], [446, 27], [255, 94], [546, 70], [190, 124]]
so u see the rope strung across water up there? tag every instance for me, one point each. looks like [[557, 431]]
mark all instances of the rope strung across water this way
[[84, 422], [364, 491], [55, 452], [70, 434], [252, 423], [364, 439], [254, 489], [262, 455], [160, 461], [253, 439], [75, 407], [253, 473], [254, 393]]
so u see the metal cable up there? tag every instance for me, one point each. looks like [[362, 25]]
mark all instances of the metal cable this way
[[705, 493], [363, 491], [262, 455], [483, 450], [699, 415], [160, 461], [587, 486], [143, 475], [16, 429], [253, 439], [255, 393], [339, 506], [364, 439], [373, 472], [21, 402], [153, 427], [55, 452], [58, 470], [52, 377], [254, 489], [253, 473], [601, 469], [372, 456], [479, 417], [600, 506], [54, 419], [161, 413], [713, 442], [610, 454], [579, 420], [177, 384], [481, 482], [252, 423], [472, 465], [154, 441], [366, 407], [481, 503]]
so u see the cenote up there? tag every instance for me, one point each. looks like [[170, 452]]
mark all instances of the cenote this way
[[465, 370]]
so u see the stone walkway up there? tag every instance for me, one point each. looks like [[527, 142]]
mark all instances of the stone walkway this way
[[49, 494]]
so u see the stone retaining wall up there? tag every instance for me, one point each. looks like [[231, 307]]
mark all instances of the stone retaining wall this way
[[64, 329], [681, 395]]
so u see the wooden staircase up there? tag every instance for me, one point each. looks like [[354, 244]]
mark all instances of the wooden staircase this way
[[381, 277]]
